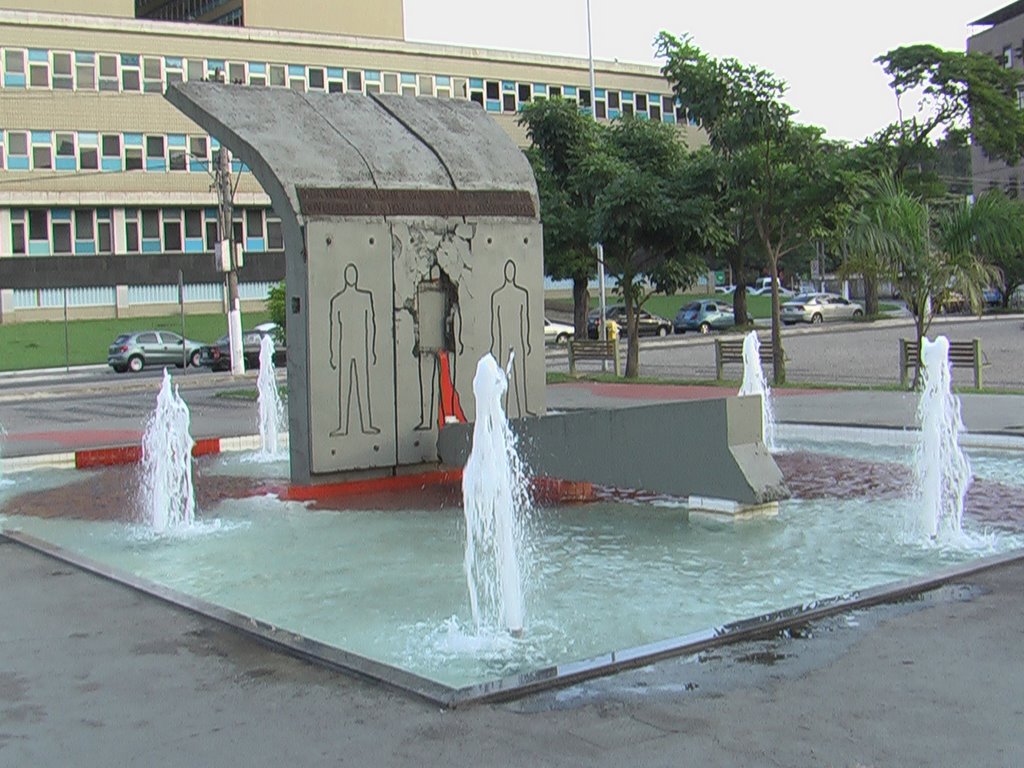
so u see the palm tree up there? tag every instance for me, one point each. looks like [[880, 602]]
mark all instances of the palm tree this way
[[932, 252]]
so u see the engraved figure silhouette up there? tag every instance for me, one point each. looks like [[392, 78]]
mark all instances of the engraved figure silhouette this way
[[353, 347], [510, 334]]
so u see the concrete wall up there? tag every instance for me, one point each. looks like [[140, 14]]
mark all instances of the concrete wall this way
[[382, 18], [124, 8]]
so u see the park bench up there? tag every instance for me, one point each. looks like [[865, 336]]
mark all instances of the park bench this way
[[962, 354], [731, 351], [591, 349]]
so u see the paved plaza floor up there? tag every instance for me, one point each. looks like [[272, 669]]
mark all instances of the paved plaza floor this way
[[95, 674]]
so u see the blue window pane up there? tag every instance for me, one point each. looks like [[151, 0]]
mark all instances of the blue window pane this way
[[443, 80], [111, 164], [85, 247], [133, 139], [172, 62], [129, 60], [66, 164], [36, 54], [175, 140], [569, 90], [257, 68], [151, 246], [408, 78], [194, 245], [296, 70], [476, 82], [40, 137], [335, 72], [17, 163], [14, 81], [61, 214], [372, 76], [493, 106], [84, 57], [87, 139]]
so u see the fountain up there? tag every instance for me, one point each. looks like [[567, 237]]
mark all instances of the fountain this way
[[942, 470], [754, 383], [271, 409], [493, 494], [167, 492]]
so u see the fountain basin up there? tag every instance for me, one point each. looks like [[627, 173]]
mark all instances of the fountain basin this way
[[616, 583]]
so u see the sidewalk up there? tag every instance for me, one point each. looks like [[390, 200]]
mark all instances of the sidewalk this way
[[95, 674]]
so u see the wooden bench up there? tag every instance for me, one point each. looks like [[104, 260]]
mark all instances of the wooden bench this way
[[731, 351], [962, 354], [591, 349]]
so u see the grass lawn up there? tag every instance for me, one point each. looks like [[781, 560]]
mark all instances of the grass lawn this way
[[41, 345]]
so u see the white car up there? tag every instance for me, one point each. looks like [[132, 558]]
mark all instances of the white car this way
[[763, 287], [558, 333]]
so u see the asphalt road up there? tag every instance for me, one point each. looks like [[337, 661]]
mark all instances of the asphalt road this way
[[843, 353]]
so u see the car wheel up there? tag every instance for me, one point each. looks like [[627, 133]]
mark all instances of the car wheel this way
[[562, 338], [816, 318], [119, 368], [136, 363], [662, 331], [704, 328], [857, 313], [194, 360]]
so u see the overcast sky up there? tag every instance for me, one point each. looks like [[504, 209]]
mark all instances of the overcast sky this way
[[824, 49]]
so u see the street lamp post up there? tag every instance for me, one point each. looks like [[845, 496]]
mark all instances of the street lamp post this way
[[601, 332]]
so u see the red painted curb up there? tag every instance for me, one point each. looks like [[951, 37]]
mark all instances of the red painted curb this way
[[371, 485], [132, 454], [551, 490]]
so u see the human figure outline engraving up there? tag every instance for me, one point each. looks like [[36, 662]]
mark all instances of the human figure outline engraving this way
[[353, 348], [510, 334]]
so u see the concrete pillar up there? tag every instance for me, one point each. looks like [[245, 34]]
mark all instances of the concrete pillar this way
[[121, 301], [5, 232], [117, 227], [6, 305]]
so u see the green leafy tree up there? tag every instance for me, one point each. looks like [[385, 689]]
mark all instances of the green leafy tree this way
[[953, 91], [561, 140], [781, 189], [653, 213], [933, 251], [276, 306]]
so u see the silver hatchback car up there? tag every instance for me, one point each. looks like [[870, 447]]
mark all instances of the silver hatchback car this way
[[819, 307], [134, 351]]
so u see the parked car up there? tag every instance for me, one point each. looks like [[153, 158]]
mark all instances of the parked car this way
[[557, 333], [217, 356], [819, 307], [993, 297], [647, 324], [704, 315], [139, 349], [763, 287], [725, 289]]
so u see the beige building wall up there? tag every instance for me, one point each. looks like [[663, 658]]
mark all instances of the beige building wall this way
[[383, 18], [125, 8]]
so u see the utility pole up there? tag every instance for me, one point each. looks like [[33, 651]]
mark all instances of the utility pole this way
[[601, 331], [226, 259]]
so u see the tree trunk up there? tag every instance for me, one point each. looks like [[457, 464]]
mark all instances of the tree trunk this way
[[580, 306], [870, 295], [778, 354]]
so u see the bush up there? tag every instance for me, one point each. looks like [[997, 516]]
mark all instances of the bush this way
[[276, 306]]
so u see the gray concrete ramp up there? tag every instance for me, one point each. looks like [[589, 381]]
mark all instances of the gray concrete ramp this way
[[711, 449]]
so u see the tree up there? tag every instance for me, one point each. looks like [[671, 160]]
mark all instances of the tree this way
[[276, 306], [653, 213], [780, 184], [561, 138], [957, 91], [933, 251]]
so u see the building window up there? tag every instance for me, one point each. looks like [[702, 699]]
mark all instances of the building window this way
[[176, 153], [14, 68], [67, 159], [39, 225], [104, 240], [19, 243], [131, 230], [236, 72], [317, 81], [131, 76], [354, 81], [426, 85], [85, 231], [193, 223], [63, 75], [257, 74], [195, 69], [61, 231], [275, 235], [390, 82], [277, 75], [641, 102], [199, 153], [172, 231], [153, 74], [42, 150], [109, 80], [155, 154], [85, 71], [1008, 56], [17, 151]]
